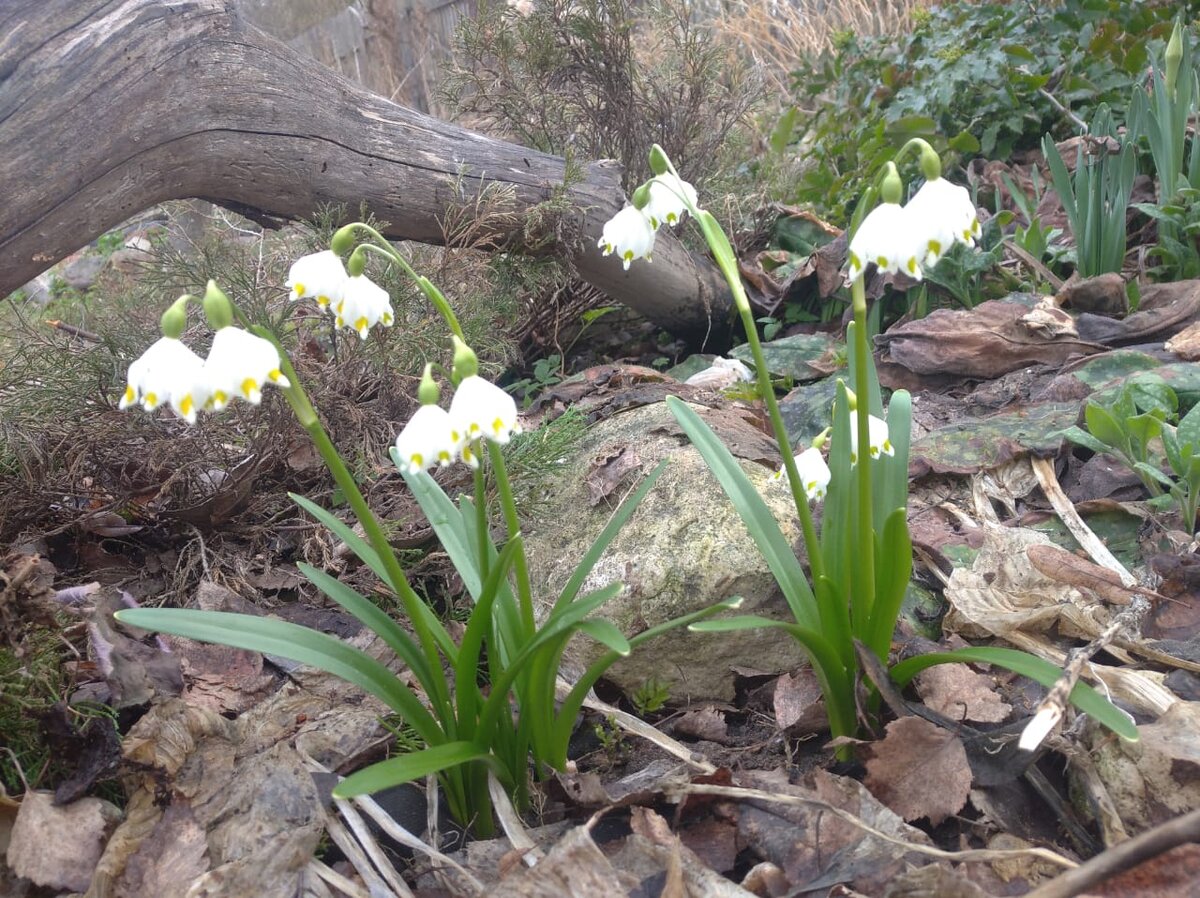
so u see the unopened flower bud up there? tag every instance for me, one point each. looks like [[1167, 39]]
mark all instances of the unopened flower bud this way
[[1174, 56], [892, 188], [466, 364], [931, 165], [659, 164], [217, 307], [174, 320], [641, 196], [428, 392], [357, 263], [343, 240]]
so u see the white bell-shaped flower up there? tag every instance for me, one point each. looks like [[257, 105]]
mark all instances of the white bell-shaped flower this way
[[321, 276], [363, 305], [426, 440], [942, 214], [481, 409], [629, 234], [814, 473], [167, 372], [669, 198], [877, 433], [240, 365], [886, 237]]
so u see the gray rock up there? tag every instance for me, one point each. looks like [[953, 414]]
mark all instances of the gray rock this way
[[81, 272], [684, 549]]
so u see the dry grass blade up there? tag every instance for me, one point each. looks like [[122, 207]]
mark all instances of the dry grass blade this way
[[971, 854], [510, 822], [328, 875]]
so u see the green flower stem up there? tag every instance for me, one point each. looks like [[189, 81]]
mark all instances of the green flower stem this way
[[727, 262], [481, 522], [383, 248], [414, 607], [862, 592], [509, 505]]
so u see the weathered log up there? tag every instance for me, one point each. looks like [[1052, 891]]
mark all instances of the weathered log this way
[[108, 107]]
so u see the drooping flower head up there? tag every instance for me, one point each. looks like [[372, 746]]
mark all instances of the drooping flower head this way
[[319, 275], [943, 214], [363, 305], [629, 234], [877, 433], [427, 439], [481, 409], [814, 473], [886, 236], [667, 203], [240, 365], [167, 372]]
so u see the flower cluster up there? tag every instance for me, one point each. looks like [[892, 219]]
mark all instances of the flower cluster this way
[[238, 365], [434, 436], [664, 199], [354, 300], [907, 238]]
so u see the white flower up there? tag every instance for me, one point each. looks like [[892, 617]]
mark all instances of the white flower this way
[[877, 432], [363, 305], [814, 473], [481, 409], [666, 204], [240, 364], [167, 372], [942, 213], [426, 440], [1039, 727], [629, 234], [320, 275], [886, 237]]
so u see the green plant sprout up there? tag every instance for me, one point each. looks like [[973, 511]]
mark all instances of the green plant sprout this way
[[486, 705], [861, 560], [1142, 427], [1097, 198], [651, 696]]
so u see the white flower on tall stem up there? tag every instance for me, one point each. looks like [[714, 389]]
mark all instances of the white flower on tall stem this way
[[319, 275], [363, 305], [240, 365], [167, 372], [426, 440], [887, 238], [943, 214], [481, 409], [814, 473], [629, 234], [877, 433], [669, 197]]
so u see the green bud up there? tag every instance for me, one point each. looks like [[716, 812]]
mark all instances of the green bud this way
[[174, 319], [892, 189], [217, 307], [429, 393], [659, 163], [357, 264], [343, 240], [641, 196], [1174, 56], [931, 165], [466, 363], [822, 438]]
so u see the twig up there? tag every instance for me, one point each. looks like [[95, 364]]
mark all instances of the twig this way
[[1036, 264], [74, 331], [970, 854], [1149, 844], [1063, 110]]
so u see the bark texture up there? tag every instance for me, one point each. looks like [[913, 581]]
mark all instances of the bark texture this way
[[108, 107]]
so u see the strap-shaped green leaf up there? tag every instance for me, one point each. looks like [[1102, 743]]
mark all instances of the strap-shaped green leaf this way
[[759, 520], [288, 640], [1083, 697], [606, 633], [346, 534], [413, 765]]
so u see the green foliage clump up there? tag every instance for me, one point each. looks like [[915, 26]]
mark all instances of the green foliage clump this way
[[973, 78]]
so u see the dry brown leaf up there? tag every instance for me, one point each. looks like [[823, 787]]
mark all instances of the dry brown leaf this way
[[920, 770], [607, 471], [59, 846], [1173, 874], [170, 858], [707, 724], [798, 703], [957, 692], [1067, 567]]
